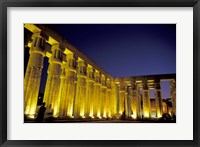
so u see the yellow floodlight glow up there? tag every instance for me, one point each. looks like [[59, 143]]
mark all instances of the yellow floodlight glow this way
[[91, 113], [31, 116], [55, 112], [146, 114], [82, 116], [82, 113], [70, 112], [159, 116], [98, 115], [134, 116], [91, 116], [27, 110], [32, 110], [104, 114]]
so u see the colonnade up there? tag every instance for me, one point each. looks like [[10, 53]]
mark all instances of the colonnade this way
[[73, 87], [76, 89], [129, 98]]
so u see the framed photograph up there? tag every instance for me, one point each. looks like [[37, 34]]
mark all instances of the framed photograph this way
[[99, 73]]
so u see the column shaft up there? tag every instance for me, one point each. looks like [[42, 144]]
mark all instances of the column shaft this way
[[96, 99], [52, 89], [103, 101], [158, 99], [114, 99], [135, 102], [146, 101], [128, 99], [90, 99], [121, 99], [67, 90], [33, 75], [103, 96], [108, 98], [108, 102], [117, 99], [97, 94], [79, 110], [89, 93]]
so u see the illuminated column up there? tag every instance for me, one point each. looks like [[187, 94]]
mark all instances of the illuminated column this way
[[67, 88], [108, 98], [89, 92], [173, 95], [158, 99], [139, 105], [103, 96], [79, 110], [96, 93], [33, 74], [128, 101], [135, 101], [97, 86], [52, 89], [113, 99], [122, 94], [146, 101]]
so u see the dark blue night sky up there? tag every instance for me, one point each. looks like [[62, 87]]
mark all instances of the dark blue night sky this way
[[126, 49]]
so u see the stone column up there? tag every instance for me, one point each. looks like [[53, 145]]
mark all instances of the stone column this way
[[146, 101], [117, 98], [33, 74], [67, 89], [52, 89], [173, 95], [103, 96], [122, 94], [89, 92], [79, 110], [97, 85], [139, 104], [113, 98], [108, 98], [128, 100], [135, 101], [158, 99]]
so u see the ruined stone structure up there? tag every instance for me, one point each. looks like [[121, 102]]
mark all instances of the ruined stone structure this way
[[77, 87]]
